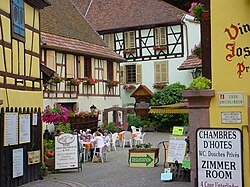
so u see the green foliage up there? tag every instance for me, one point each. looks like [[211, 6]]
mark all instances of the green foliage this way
[[200, 83], [196, 51], [110, 127], [43, 166], [168, 95], [136, 121], [49, 145], [64, 127], [197, 10]]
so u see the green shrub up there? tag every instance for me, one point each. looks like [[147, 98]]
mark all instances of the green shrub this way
[[200, 83], [110, 127]]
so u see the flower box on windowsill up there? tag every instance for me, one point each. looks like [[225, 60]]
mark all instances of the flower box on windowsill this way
[[160, 47], [129, 51]]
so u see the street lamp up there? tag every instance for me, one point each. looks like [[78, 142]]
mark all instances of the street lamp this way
[[196, 73], [92, 108]]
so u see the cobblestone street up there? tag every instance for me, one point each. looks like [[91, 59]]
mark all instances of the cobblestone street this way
[[115, 172]]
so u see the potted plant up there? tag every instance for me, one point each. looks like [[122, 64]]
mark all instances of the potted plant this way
[[55, 115], [197, 51], [200, 83], [112, 83], [74, 82], [89, 81], [49, 153], [196, 10], [43, 169], [56, 79]]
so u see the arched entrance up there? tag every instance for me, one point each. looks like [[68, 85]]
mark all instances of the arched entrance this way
[[115, 111]]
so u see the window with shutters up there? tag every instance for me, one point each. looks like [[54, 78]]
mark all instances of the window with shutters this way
[[130, 40], [160, 36], [87, 67], [161, 72], [18, 18], [109, 40], [131, 74]]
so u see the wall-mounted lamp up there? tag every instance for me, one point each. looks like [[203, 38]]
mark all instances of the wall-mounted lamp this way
[[196, 73], [92, 108]]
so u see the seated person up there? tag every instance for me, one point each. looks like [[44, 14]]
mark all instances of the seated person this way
[[106, 138], [98, 143], [86, 137]]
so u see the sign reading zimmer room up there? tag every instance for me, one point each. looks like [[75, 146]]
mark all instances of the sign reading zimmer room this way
[[219, 157], [231, 99]]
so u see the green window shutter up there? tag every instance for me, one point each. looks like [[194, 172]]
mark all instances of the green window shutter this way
[[138, 73]]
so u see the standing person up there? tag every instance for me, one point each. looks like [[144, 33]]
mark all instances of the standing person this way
[[98, 144]]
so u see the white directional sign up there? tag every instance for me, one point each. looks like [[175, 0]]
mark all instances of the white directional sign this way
[[231, 99], [219, 157]]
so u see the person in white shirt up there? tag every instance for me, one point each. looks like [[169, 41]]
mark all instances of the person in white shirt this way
[[98, 143]]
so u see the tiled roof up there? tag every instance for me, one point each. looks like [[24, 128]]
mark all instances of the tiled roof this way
[[117, 14], [72, 45], [63, 19], [191, 62]]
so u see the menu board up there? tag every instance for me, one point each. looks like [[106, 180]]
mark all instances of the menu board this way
[[17, 162], [10, 128], [176, 149], [66, 151], [24, 125]]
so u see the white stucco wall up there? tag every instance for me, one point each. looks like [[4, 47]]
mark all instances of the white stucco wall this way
[[191, 37]]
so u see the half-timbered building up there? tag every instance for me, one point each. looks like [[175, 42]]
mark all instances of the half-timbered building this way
[[153, 36], [21, 93], [75, 52]]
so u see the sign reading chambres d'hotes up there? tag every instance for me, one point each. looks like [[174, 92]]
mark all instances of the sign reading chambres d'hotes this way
[[219, 157]]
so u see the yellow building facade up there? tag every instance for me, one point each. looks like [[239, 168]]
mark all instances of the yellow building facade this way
[[230, 62], [20, 81]]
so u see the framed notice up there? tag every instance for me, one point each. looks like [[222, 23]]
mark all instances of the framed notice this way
[[176, 149], [10, 128], [34, 157], [34, 121], [17, 162], [219, 157], [24, 126], [66, 151]]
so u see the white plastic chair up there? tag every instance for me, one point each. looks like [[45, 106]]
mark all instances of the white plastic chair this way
[[114, 138], [101, 153], [139, 139], [127, 138]]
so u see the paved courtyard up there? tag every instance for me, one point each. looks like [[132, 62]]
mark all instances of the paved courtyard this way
[[113, 173]]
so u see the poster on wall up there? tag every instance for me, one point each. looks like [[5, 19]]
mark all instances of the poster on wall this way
[[17, 162], [24, 126], [66, 151], [10, 128], [219, 157]]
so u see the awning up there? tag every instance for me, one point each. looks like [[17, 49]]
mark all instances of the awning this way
[[178, 108]]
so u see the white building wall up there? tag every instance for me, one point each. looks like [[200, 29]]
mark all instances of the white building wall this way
[[191, 37]]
